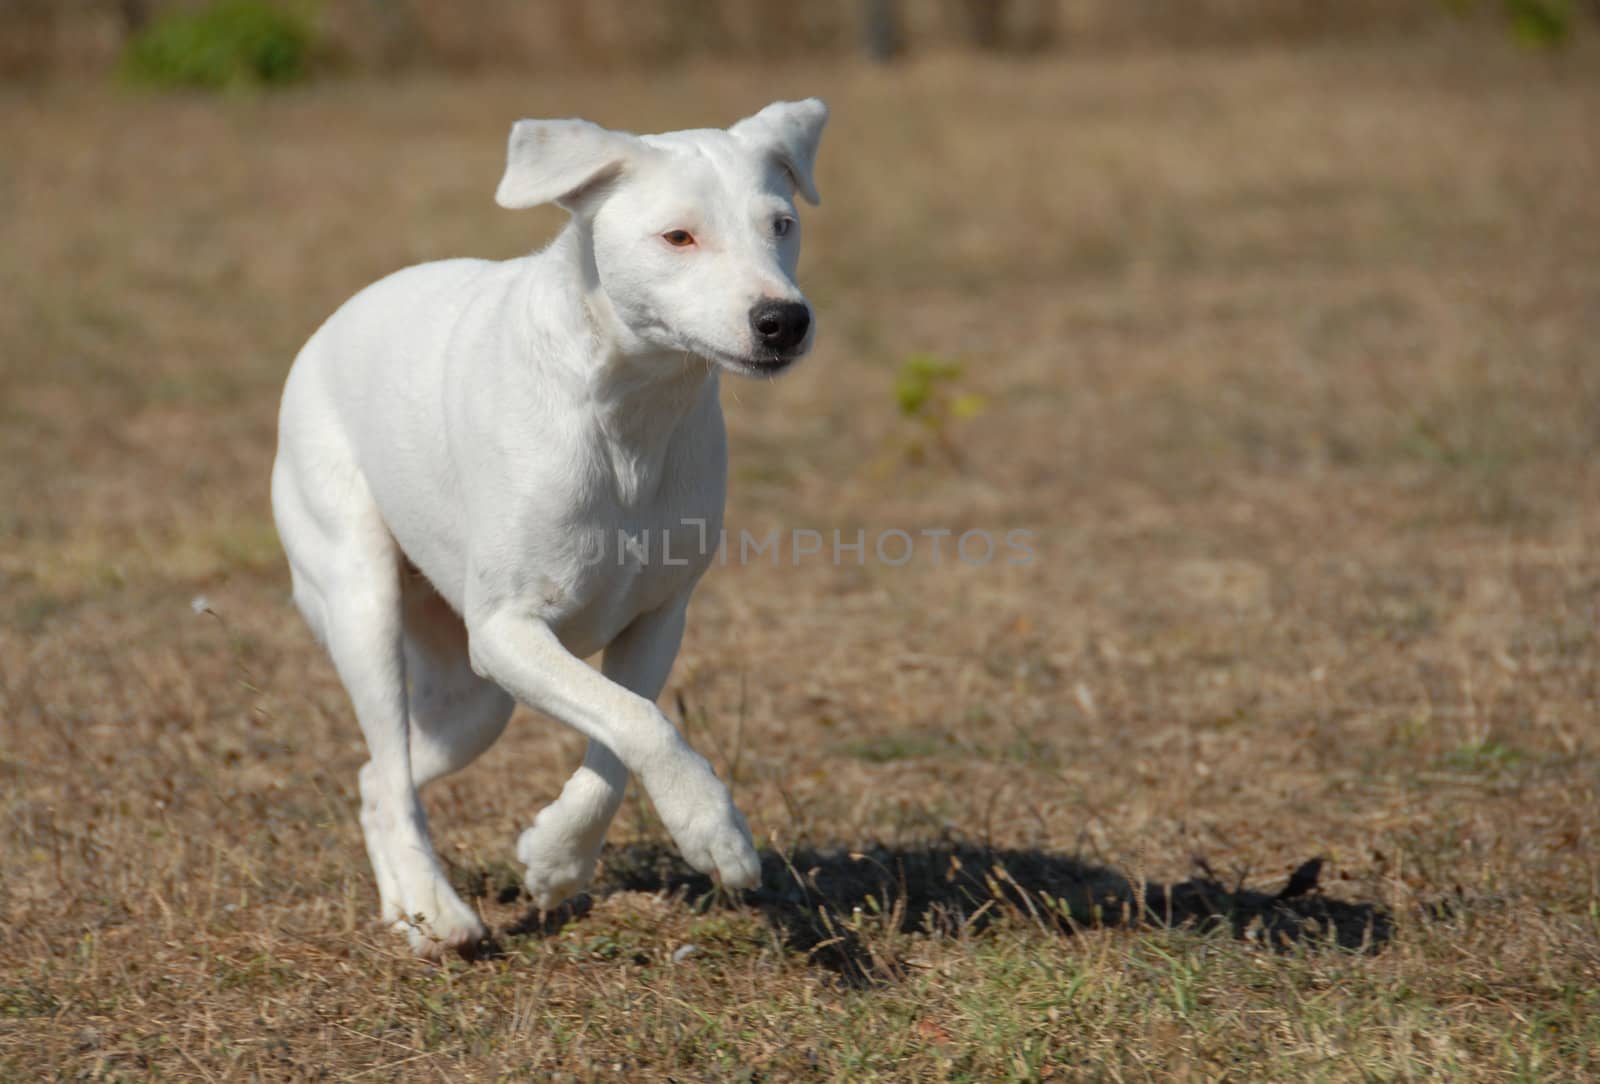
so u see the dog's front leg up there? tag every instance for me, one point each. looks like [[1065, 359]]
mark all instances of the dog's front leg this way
[[523, 656], [562, 847]]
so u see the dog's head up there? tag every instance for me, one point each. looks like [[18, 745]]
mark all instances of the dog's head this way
[[691, 238]]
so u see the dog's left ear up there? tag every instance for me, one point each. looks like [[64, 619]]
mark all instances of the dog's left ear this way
[[561, 161], [790, 132]]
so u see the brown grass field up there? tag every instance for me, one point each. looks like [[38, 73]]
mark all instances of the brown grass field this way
[[1289, 363]]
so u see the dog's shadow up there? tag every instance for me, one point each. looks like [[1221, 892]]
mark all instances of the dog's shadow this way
[[812, 899]]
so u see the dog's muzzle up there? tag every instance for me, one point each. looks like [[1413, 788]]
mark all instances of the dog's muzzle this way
[[779, 326]]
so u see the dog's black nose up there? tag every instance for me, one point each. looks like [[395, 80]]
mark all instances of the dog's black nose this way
[[780, 326]]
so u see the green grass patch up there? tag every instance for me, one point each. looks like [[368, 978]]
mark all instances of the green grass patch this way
[[228, 44]]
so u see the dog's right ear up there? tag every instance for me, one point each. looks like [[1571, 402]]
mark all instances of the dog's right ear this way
[[561, 161]]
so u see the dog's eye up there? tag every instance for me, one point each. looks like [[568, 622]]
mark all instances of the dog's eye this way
[[782, 225], [678, 238]]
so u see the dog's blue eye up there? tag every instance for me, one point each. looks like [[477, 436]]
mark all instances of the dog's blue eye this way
[[781, 225]]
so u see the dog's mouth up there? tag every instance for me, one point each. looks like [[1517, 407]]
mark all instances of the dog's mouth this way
[[767, 365], [762, 364]]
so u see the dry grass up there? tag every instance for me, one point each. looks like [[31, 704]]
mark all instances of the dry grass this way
[[1290, 366], [75, 37]]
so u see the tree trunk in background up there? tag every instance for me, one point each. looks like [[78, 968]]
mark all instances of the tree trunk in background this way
[[135, 14], [28, 44], [985, 22], [880, 29], [401, 42]]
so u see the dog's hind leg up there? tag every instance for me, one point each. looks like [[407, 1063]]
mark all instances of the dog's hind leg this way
[[347, 572], [562, 847], [455, 714], [366, 641]]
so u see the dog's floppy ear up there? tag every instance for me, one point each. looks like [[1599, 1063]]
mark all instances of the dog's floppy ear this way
[[557, 161], [790, 132]]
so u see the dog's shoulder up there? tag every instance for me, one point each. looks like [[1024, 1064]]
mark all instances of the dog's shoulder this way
[[435, 282]]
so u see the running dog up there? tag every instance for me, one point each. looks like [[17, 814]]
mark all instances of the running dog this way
[[460, 439]]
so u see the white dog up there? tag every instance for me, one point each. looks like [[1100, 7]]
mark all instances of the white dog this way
[[463, 444]]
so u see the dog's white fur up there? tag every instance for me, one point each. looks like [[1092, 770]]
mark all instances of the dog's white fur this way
[[456, 437]]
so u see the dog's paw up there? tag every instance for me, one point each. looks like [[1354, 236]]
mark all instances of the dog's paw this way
[[711, 833], [732, 854], [559, 867], [453, 930]]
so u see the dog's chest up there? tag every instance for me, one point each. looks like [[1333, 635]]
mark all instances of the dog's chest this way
[[632, 541], [617, 568]]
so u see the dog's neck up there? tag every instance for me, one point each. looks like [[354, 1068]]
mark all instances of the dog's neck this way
[[639, 395]]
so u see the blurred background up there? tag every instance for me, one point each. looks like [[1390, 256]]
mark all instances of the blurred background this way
[[375, 36], [1273, 321]]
